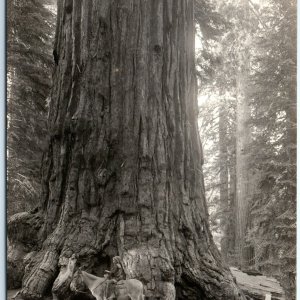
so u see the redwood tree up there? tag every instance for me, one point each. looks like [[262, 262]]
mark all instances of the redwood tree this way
[[122, 174], [243, 139]]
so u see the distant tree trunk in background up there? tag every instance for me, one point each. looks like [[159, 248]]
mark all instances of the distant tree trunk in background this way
[[123, 172], [243, 138], [231, 254], [224, 192]]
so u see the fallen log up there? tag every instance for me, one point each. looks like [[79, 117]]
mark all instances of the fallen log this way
[[258, 287]]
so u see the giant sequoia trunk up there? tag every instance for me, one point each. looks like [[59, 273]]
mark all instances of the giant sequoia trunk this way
[[123, 175]]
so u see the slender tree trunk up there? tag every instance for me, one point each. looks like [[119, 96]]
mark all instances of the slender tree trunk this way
[[224, 183], [228, 247], [243, 138], [231, 254], [122, 175]]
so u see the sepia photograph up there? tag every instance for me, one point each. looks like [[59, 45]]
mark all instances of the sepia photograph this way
[[151, 149]]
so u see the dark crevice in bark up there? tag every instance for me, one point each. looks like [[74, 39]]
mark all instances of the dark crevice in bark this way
[[188, 289]]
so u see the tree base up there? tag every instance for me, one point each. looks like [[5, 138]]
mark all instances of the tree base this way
[[47, 267]]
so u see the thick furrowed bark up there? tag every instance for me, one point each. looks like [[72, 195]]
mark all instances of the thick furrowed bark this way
[[41, 276], [123, 173]]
